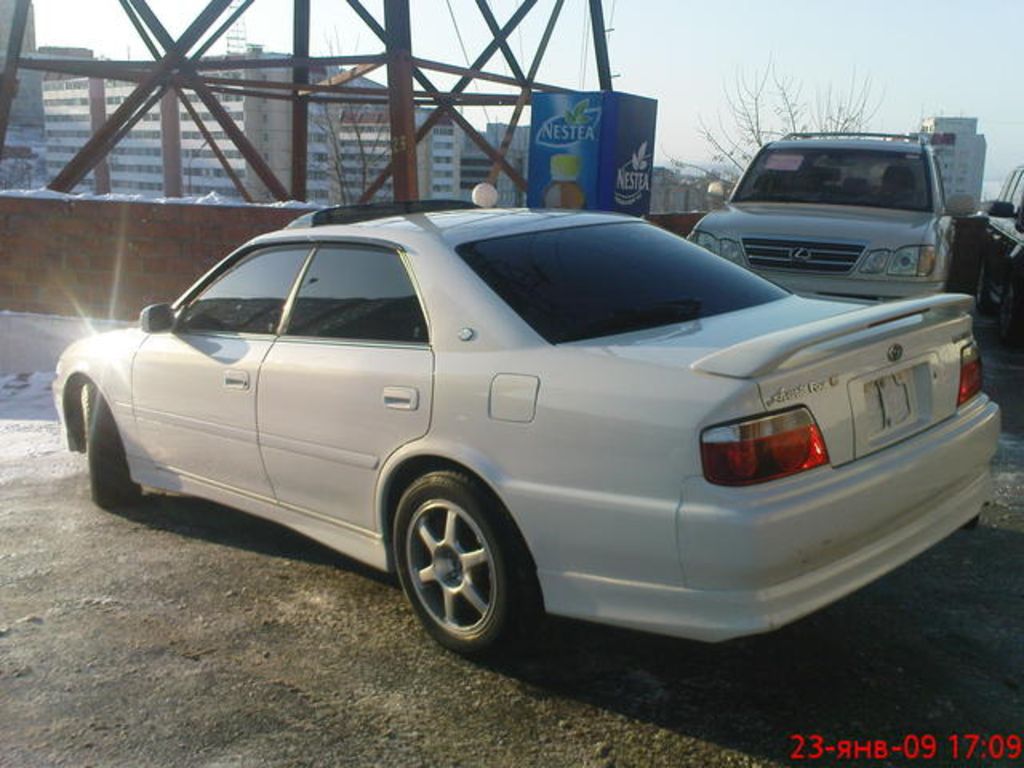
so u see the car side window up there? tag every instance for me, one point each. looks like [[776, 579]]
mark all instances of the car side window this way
[[359, 293], [249, 297]]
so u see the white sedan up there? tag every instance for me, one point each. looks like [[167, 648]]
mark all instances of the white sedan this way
[[527, 411]]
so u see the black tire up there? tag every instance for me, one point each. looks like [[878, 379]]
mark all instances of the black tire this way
[[1011, 311], [463, 564], [110, 483], [983, 296]]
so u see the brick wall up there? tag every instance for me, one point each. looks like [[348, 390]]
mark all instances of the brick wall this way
[[681, 224], [110, 259]]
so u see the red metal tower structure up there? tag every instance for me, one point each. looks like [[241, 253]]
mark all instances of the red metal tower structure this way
[[180, 69]]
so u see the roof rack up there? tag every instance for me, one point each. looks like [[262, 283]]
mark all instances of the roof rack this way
[[351, 214], [914, 137]]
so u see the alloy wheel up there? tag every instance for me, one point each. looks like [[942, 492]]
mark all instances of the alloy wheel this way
[[450, 566]]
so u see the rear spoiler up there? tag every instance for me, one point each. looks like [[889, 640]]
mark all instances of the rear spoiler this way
[[764, 354]]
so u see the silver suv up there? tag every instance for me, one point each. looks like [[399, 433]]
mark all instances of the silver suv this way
[[857, 216]]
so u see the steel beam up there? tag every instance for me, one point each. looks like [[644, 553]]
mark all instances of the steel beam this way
[[216, 109], [524, 98], [604, 70], [492, 24], [9, 80], [400, 108], [131, 109], [300, 104], [97, 117], [486, 148], [380, 32], [212, 144], [170, 142]]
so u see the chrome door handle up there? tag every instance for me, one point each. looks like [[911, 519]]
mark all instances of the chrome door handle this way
[[401, 398], [236, 380]]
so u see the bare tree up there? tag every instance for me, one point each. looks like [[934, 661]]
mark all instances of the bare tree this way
[[358, 136], [358, 146], [766, 105]]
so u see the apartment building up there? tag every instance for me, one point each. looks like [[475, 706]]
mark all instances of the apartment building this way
[[348, 144], [959, 151], [75, 106]]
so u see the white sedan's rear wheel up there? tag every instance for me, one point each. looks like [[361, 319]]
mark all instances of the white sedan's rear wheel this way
[[460, 563]]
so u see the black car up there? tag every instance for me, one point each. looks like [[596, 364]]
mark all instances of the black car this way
[[1001, 279]]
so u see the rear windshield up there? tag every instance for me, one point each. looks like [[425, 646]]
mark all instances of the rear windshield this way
[[873, 178], [599, 280]]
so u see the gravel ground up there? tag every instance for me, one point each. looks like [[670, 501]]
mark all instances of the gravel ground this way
[[182, 633]]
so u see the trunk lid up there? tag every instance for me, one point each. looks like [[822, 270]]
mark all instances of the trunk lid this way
[[871, 377]]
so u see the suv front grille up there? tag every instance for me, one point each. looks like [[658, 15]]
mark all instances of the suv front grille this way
[[803, 255]]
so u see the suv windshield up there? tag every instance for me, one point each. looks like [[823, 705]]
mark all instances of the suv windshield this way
[[876, 178], [599, 280]]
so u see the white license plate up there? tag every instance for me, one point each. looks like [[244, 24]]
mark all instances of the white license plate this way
[[889, 401]]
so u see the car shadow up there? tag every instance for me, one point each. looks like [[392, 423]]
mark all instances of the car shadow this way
[[208, 521]]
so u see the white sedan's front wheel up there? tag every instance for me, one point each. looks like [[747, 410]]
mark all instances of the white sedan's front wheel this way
[[460, 565], [110, 483]]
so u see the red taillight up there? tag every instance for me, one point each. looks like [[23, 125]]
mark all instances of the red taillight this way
[[970, 373], [762, 449]]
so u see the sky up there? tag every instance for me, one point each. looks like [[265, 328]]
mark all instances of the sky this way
[[918, 57]]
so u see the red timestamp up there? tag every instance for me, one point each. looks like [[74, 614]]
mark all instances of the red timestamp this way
[[911, 746]]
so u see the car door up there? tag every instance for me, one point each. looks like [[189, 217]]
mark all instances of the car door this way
[[194, 388], [347, 382]]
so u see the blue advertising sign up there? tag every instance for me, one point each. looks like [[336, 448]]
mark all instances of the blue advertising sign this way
[[565, 132], [591, 150]]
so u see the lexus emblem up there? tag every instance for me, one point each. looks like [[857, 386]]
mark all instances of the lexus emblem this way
[[800, 255], [895, 353]]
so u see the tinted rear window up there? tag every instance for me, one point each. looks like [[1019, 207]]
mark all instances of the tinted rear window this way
[[586, 282]]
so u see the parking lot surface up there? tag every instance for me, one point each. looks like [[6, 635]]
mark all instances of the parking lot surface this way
[[183, 633]]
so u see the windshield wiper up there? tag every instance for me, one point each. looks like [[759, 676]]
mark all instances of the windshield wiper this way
[[625, 319]]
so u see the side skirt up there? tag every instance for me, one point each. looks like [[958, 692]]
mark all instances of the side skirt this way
[[355, 542]]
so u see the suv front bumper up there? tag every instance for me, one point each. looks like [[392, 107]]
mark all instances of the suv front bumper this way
[[851, 286]]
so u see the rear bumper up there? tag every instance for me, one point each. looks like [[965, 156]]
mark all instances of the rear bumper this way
[[765, 560]]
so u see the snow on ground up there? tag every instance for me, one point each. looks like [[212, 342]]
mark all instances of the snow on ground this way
[[30, 440], [29, 429], [31, 342]]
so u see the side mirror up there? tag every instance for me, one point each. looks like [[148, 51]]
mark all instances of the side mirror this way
[[156, 318], [999, 209], [961, 205]]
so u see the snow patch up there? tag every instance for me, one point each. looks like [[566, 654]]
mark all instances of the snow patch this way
[[29, 430], [210, 198], [27, 396]]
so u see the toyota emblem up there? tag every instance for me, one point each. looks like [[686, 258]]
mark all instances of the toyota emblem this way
[[895, 353]]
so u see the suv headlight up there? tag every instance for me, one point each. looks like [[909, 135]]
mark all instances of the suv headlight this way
[[913, 261], [876, 261], [706, 241], [732, 250]]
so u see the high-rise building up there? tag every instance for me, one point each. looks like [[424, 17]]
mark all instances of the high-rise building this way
[[959, 151]]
